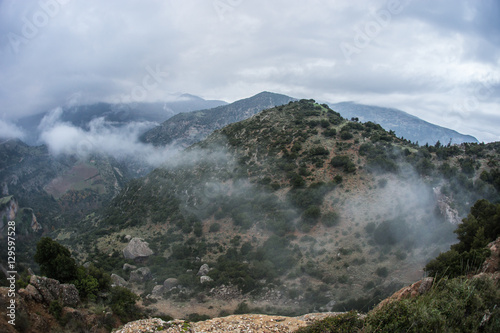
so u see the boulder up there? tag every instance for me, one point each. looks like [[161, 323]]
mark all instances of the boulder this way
[[46, 290], [30, 292], [69, 295], [137, 248], [205, 279], [118, 280], [204, 269], [158, 291], [170, 283], [128, 267], [142, 274]]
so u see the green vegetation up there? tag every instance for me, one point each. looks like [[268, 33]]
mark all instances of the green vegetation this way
[[480, 227], [456, 305], [56, 260], [275, 178]]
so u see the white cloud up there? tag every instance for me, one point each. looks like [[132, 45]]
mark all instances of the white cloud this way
[[103, 138], [423, 58], [10, 131]]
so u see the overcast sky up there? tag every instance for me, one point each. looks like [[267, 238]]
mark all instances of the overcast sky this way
[[438, 60]]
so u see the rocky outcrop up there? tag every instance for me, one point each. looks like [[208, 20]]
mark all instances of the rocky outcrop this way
[[225, 293], [8, 209], [33, 309], [35, 226], [118, 281], [491, 265], [444, 204], [416, 289], [204, 269], [128, 267], [234, 323], [46, 290], [205, 279], [170, 283], [142, 274], [157, 291], [137, 248]]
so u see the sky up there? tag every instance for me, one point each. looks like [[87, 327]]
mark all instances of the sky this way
[[437, 60]]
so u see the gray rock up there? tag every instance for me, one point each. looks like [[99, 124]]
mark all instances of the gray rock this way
[[426, 285], [170, 283], [118, 280], [31, 292], [142, 274], [158, 291], [69, 295], [137, 248], [205, 279], [204, 269], [48, 290], [128, 267]]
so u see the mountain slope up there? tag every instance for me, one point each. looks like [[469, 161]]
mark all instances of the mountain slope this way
[[119, 114], [402, 123], [59, 189], [188, 128], [295, 195]]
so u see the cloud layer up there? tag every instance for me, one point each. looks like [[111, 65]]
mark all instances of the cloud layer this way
[[102, 137], [436, 60]]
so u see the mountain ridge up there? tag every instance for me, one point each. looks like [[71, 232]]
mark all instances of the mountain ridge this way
[[402, 123]]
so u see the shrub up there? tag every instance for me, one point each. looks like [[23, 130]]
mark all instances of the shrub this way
[[480, 227], [456, 305], [330, 219], [344, 162], [55, 260], [123, 304], [55, 309], [382, 272], [344, 135]]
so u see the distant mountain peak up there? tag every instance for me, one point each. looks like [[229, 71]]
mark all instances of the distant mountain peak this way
[[402, 123]]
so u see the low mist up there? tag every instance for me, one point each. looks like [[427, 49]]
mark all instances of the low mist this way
[[102, 137]]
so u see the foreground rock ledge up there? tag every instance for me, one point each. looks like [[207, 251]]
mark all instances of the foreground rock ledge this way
[[235, 323]]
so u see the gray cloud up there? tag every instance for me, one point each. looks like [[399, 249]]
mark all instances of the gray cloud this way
[[102, 137], [424, 57], [10, 131]]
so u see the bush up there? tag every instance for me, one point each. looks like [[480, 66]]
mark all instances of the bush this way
[[330, 219], [123, 304], [382, 272], [456, 305], [480, 227], [344, 162], [344, 135], [55, 309], [55, 260]]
